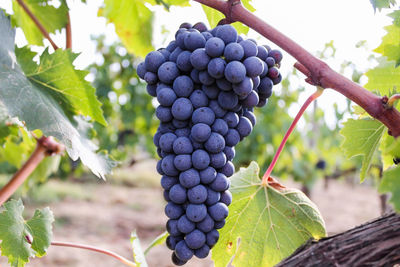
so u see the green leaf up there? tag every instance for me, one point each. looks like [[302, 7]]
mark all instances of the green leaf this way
[[362, 137], [390, 46], [50, 17], [14, 230], [265, 224], [138, 255], [214, 16], [40, 109], [57, 76], [159, 240], [396, 17], [384, 78], [379, 4], [391, 184], [133, 23], [390, 148]]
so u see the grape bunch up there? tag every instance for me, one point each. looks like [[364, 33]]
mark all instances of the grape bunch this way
[[207, 83]]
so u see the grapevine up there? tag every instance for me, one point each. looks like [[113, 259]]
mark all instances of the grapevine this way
[[207, 83]]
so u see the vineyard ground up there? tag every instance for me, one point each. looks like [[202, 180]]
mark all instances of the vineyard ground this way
[[104, 214]]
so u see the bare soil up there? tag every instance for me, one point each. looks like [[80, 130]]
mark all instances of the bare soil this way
[[112, 211]]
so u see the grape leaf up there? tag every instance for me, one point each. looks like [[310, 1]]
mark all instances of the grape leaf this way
[[383, 78], [50, 17], [390, 46], [214, 16], [396, 17], [14, 229], [138, 254], [265, 224], [390, 148], [39, 109], [379, 4], [56, 75], [159, 240], [362, 137], [391, 184], [133, 23]]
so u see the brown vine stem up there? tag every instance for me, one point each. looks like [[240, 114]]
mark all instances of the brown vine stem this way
[[96, 249], [68, 33], [303, 108], [46, 146], [37, 23], [320, 74]]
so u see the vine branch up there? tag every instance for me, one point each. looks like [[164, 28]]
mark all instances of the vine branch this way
[[318, 72], [37, 23], [95, 249], [68, 33], [303, 108], [46, 146]]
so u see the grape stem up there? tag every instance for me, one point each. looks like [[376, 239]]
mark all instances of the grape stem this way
[[46, 146], [38, 24], [318, 72], [303, 108], [95, 249], [68, 33], [392, 100]]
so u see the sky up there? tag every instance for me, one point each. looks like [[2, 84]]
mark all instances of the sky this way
[[311, 23]]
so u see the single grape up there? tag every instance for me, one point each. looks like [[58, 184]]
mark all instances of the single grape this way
[[185, 225], [182, 145], [189, 178], [167, 72], [166, 97], [200, 132], [251, 100], [233, 51], [243, 88], [229, 152], [194, 40], [182, 109], [199, 99], [199, 59], [232, 138], [215, 47], [168, 181], [216, 68], [202, 252], [227, 33], [168, 166], [227, 100], [172, 228], [171, 46], [208, 175], [183, 61], [220, 184], [153, 61], [249, 48], [218, 211], [232, 119], [203, 115], [200, 26], [150, 78], [212, 238], [220, 126], [206, 225], [228, 169], [196, 239], [173, 211], [235, 72], [223, 84], [177, 261], [173, 57], [183, 162], [254, 66], [276, 54], [262, 52], [183, 86], [141, 70], [212, 197], [215, 143], [217, 160], [218, 110], [166, 141], [226, 197], [205, 78], [182, 251], [197, 194], [200, 159], [196, 212]]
